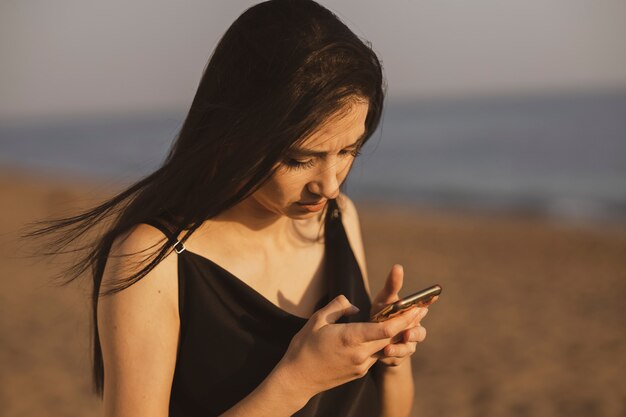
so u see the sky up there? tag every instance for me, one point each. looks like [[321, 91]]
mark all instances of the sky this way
[[75, 58]]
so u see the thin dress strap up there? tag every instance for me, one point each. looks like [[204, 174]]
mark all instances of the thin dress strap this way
[[177, 245], [179, 248]]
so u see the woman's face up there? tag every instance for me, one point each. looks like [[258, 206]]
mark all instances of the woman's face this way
[[315, 169]]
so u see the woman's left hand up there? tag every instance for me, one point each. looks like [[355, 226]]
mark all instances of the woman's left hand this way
[[404, 343]]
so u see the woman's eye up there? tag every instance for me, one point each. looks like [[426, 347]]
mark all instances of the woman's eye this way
[[295, 164], [353, 153]]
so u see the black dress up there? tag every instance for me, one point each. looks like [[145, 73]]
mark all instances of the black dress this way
[[231, 336]]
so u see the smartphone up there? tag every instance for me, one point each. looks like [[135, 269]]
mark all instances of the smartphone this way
[[420, 299]]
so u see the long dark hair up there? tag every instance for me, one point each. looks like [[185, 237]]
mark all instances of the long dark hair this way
[[280, 70]]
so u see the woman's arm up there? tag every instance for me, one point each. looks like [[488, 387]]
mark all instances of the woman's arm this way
[[275, 397], [396, 388], [138, 329]]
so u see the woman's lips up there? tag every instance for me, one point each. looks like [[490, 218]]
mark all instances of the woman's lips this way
[[313, 206]]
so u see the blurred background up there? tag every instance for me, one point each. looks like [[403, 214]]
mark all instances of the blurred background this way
[[499, 172]]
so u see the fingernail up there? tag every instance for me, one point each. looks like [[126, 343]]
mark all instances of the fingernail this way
[[424, 312]]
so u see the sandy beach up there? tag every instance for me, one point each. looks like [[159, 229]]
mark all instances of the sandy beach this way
[[530, 323]]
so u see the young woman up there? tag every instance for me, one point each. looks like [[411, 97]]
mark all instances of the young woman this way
[[232, 281]]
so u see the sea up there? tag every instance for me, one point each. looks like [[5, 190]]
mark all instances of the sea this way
[[554, 155]]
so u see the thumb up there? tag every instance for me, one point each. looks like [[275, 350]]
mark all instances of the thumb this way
[[389, 293], [338, 307]]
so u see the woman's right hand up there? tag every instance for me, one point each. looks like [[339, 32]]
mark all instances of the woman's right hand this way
[[324, 354]]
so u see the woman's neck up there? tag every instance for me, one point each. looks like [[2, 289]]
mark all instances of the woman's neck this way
[[264, 228]]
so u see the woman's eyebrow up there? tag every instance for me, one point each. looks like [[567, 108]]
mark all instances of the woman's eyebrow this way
[[310, 152]]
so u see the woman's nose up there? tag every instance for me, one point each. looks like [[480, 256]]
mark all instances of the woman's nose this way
[[326, 183]]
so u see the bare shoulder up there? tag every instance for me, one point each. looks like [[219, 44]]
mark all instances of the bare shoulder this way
[[132, 251], [352, 226], [129, 254], [138, 326]]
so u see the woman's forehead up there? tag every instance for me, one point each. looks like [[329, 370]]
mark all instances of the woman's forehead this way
[[341, 130]]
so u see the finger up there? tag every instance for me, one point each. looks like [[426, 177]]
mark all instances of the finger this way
[[385, 330], [416, 334], [333, 311], [393, 284], [391, 362], [422, 311], [400, 350], [421, 315], [394, 280], [410, 338]]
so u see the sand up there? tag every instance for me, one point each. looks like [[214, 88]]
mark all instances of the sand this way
[[530, 323]]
